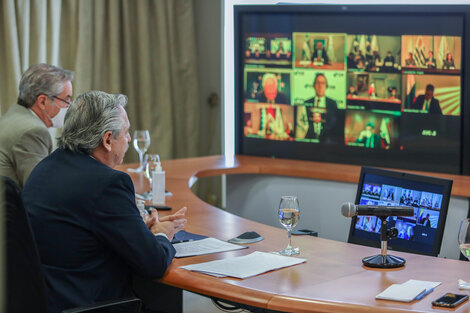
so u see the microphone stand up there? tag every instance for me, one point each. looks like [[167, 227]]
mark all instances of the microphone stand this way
[[383, 260]]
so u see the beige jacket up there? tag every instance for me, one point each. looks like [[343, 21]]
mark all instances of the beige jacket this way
[[24, 141]]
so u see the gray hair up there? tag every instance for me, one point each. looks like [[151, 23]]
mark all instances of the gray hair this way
[[268, 76], [89, 117], [42, 79]]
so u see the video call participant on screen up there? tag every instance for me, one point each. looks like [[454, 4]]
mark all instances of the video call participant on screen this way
[[448, 63], [376, 60], [270, 91], [281, 53], [369, 138], [321, 112], [350, 62], [393, 94], [352, 93], [319, 54], [431, 61], [389, 60], [425, 221], [410, 61], [427, 103], [90, 235], [360, 60]]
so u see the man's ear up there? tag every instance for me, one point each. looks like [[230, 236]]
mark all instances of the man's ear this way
[[107, 137], [41, 101]]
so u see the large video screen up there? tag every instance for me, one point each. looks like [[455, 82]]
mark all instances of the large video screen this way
[[368, 86]]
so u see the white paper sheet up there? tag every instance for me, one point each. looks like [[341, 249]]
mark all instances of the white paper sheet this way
[[204, 246], [245, 266], [408, 291]]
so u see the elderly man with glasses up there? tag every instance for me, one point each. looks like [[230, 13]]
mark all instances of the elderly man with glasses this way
[[45, 93]]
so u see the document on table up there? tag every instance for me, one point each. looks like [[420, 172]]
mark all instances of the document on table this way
[[245, 266], [204, 246], [408, 291]]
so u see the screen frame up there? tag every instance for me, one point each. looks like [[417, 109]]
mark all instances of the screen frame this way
[[446, 185], [281, 149]]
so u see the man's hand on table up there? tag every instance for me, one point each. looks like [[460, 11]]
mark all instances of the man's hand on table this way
[[169, 225]]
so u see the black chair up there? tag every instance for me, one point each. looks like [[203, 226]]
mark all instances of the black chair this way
[[26, 288]]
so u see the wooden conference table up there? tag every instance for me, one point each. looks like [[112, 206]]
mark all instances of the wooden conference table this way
[[333, 278]]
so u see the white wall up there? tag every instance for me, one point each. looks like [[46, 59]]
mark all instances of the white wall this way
[[257, 197]]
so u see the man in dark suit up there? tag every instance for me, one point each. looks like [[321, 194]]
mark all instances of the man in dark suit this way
[[321, 112], [426, 221], [389, 60], [90, 235], [427, 103], [431, 61], [319, 54], [369, 138]]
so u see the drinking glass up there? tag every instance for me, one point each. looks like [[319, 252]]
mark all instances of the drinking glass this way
[[141, 141], [464, 238], [464, 246], [151, 163], [289, 214]]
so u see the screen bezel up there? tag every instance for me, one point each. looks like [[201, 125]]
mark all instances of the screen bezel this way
[[337, 154], [446, 185]]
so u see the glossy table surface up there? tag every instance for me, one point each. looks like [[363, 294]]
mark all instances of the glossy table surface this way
[[333, 278]]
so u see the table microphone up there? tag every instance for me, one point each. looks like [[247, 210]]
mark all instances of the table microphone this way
[[349, 209]]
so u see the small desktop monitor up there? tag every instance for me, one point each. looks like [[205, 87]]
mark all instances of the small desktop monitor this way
[[421, 233]]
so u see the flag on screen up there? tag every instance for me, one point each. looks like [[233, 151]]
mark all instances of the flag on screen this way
[[374, 44], [419, 56], [443, 48], [362, 44], [384, 132], [355, 45], [262, 119], [410, 46], [420, 215], [410, 91], [330, 51], [279, 124], [306, 49]]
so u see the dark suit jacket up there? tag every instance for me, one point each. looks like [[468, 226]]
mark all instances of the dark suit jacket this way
[[433, 63], [389, 61], [90, 235], [434, 107], [323, 55], [329, 132], [375, 141]]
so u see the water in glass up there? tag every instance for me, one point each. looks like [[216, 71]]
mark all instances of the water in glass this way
[[464, 238], [289, 215]]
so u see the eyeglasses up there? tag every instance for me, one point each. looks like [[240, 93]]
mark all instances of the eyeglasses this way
[[63, 100]]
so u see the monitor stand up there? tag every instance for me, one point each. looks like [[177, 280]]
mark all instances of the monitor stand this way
[[383, 260]]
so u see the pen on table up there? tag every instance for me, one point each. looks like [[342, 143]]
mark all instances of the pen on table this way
[[180, 241], [425, 292]]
